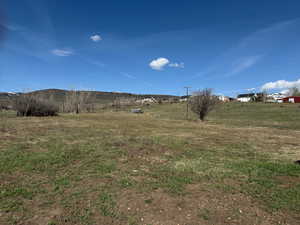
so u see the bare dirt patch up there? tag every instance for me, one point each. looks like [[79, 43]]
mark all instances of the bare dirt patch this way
[[198, 206], [288, 181]]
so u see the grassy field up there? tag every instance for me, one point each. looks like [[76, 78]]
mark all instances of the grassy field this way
[[154, 168]]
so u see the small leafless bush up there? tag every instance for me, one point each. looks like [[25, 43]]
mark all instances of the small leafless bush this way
[[31, 105], [202, 102], [4, 106]]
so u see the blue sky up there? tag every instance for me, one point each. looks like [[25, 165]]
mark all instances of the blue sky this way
[[141, 46]]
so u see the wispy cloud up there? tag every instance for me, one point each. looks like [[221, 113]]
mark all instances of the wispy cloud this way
[[266, 34], [39, 10], [281, 84], [62, 52], [10, 27], [91, 61], [33, 42], [128, 75], [30, 43], [132, 77], [243, 64], [176, 65], [96, 38], [97, 63], [249, 51]]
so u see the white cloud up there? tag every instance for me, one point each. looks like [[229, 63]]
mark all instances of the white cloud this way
[[158, 64], [250, 89], [62, 52], [177, 65], [96, 38], [281, 84]]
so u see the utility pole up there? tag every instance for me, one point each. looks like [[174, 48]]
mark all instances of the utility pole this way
[[187, 102]]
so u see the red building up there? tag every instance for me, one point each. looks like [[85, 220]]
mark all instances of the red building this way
[[292, 99]]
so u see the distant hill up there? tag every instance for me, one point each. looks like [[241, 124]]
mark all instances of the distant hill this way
[[5, 97], [99, 96]]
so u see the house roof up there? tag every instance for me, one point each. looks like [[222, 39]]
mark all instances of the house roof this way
[[246, 95]]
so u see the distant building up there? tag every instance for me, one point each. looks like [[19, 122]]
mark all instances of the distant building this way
[[292, 99], [246, 97], [147, 101], [275, 97], [223, 98]]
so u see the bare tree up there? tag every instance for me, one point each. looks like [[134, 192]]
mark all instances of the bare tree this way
[[78, 101], [294, 91], [260, 97], [117, 103], [202, 102], [264, 96]]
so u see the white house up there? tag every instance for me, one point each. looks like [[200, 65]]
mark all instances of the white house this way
[[223, 98], [147, 101], [275, 97]]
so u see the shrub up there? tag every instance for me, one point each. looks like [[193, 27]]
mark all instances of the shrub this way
[[31, 105], [4, 106], [202, 102]]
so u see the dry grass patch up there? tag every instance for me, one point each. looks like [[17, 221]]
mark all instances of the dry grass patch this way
[[90, 168]]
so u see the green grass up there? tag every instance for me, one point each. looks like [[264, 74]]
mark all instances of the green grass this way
[[107, 205], [93, 167], [263, 183], [285, 116]]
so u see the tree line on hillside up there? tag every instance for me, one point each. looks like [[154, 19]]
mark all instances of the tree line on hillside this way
[[48, 103], [32, 104], [201, 103], [39, 104]]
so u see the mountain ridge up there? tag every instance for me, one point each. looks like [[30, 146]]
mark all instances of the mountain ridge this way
[[103, 96]]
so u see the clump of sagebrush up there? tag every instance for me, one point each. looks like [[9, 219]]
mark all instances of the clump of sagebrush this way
[[32, 105], [202, 102]]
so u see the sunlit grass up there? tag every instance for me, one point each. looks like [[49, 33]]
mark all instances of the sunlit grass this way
[[83, 164]]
